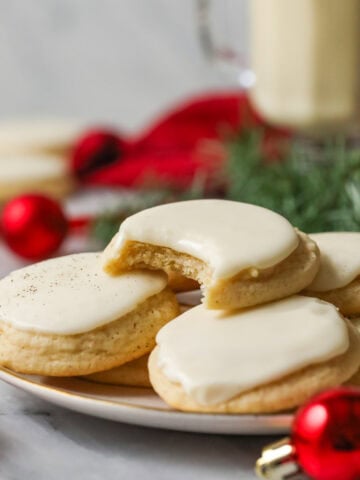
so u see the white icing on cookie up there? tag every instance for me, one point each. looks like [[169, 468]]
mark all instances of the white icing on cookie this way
[[15, 168], [72, 294], [229, 236], [216, 355], [339, 260]]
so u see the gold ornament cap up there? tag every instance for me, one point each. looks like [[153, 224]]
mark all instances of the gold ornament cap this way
[[278, 462]]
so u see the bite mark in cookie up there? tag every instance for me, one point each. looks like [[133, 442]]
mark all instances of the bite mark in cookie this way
[[241, 254]]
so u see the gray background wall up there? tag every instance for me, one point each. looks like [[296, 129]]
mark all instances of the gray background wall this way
[[114, 60]]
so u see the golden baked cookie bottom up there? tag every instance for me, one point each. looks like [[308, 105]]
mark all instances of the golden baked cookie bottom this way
[[355, 379], [347, 298], [132, 374], [125, 339], [250, 287], [283, 394]]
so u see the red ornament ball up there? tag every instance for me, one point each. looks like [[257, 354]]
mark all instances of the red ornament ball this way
[[96, 149], [33, 226], [326, 435]]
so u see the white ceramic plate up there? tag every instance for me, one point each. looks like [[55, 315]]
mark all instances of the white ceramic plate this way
[[140, 406]]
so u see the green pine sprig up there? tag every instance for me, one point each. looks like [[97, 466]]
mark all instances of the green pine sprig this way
[[315, 190], [315, 194]]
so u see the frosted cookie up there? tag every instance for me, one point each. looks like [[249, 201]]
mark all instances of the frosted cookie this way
[[38, 135], [133, 374], [338, 279], [241, 254], [356, 322], [36, 173], [265, 359], [355, 380], [66, 317]]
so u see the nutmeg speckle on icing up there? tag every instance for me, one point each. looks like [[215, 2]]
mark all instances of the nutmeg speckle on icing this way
[[72, 294]]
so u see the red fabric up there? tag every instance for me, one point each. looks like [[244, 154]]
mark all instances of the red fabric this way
[[208, 116], [184, 141], [173, 167]]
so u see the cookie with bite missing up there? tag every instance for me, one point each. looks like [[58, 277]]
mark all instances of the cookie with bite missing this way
[[265, 359], [240, 254], [338, 279], [66, 317]]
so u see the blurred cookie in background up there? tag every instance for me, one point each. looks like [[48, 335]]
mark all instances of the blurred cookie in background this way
[[39, 134], [34, 173], [34, 156]]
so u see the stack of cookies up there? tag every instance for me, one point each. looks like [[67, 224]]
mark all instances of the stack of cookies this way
[[254, 345], [33, 155]]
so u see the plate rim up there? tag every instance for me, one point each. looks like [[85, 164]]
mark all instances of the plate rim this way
[[54, 395]]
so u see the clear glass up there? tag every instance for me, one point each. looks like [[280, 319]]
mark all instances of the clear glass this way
[[299, 59]]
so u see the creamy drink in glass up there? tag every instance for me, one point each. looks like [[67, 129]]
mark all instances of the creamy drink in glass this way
[[304, 61], [306, 57]]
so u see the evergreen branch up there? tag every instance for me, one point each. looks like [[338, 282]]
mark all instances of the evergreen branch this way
[[314, 192]]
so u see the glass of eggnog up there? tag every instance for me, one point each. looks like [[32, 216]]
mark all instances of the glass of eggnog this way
[[301, 65]]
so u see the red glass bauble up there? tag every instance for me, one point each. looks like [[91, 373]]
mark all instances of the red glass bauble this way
[[326, 435], [33, 226], [94, 150]]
